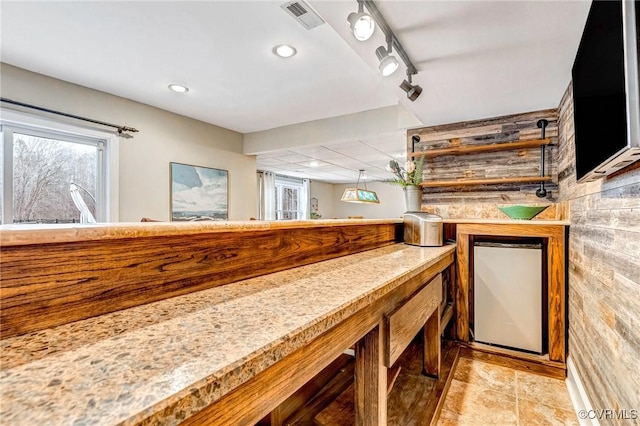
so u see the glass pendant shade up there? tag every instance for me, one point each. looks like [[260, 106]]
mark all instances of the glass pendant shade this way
[[360, 195]]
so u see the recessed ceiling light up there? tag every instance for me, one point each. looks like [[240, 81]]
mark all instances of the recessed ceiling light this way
[[284, 51], [178, 88], [314, 163]]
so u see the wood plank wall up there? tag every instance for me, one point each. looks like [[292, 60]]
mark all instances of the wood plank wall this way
[[604, 276], [513, 163], [45, 285]]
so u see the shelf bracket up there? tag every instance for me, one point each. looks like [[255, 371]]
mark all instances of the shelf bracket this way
[[414, 140], [542, 125]]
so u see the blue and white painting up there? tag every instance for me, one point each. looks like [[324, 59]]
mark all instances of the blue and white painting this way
[[198, 193]]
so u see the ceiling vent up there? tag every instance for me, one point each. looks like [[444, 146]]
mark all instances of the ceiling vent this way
[[303, 13]]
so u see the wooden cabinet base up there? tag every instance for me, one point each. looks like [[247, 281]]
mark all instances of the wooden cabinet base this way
[[537, 364], [423, 394], [256, 398], [554, 239]]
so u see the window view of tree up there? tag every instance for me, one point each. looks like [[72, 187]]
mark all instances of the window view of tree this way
[[287, 202], [43, 170]]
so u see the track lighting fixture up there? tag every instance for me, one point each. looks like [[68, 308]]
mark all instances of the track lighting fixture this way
[[362, 24], [413, 90], [388, 62]]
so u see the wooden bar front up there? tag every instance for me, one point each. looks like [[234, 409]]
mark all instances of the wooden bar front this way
[[54, 276]]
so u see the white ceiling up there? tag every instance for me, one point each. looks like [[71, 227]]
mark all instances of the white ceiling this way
[[475, 59], [338, 162]]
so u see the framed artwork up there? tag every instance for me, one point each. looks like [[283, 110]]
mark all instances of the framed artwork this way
[[198, 193]]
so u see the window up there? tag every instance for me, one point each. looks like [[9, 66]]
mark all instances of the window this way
[[291, 198], [51, 177]]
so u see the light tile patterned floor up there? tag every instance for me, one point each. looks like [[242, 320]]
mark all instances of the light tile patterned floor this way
[[487, 394]]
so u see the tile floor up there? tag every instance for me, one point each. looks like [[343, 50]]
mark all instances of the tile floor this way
[[487, 394]]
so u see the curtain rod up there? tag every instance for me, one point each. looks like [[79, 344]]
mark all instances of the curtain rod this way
[[121, 129]]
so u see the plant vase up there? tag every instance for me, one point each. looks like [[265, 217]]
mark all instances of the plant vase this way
[[413, 198]]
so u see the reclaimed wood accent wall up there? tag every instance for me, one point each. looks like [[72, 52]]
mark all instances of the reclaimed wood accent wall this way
[[46, 285], [487, 165], [604, 276]]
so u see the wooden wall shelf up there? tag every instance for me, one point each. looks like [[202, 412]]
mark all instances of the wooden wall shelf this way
[[472, 149], [488, 181]]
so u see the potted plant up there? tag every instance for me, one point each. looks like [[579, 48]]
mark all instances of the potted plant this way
[[409, 178]]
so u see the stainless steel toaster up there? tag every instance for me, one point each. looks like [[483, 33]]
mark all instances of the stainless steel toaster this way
[[423, 229]]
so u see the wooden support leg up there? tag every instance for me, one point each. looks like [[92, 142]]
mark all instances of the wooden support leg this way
[[431, 350], [371, 380]]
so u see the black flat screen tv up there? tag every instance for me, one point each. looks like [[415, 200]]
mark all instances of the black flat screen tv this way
[[606, 108]]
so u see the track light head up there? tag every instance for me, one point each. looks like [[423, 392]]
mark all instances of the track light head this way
[[361, 23], [413, 90], [388, 63]]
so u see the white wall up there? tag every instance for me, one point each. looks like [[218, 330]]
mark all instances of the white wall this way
[[144, 160], [325, 194], [392, 204]]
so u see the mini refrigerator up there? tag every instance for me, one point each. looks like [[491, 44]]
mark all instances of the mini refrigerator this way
[[507, 295]]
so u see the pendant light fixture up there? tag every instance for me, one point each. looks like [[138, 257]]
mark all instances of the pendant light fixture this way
[[359, 195], [361, 23]]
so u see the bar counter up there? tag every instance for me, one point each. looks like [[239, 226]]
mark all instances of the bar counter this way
[[11, 235], [163, 362]]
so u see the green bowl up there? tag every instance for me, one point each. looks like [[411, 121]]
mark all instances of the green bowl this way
[[522, 212]]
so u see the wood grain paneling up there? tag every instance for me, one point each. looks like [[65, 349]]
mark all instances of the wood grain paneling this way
[[604, 276], [485, 181], [462, 286], [415, 400], [514, 359], [370, 385], [48, 285], [407, 320], [301, 407], [473, 149], [432, 351], [476, 152]]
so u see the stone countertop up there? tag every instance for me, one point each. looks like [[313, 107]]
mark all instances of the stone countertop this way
[[57, 233], [162, 362], [509, 221]]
